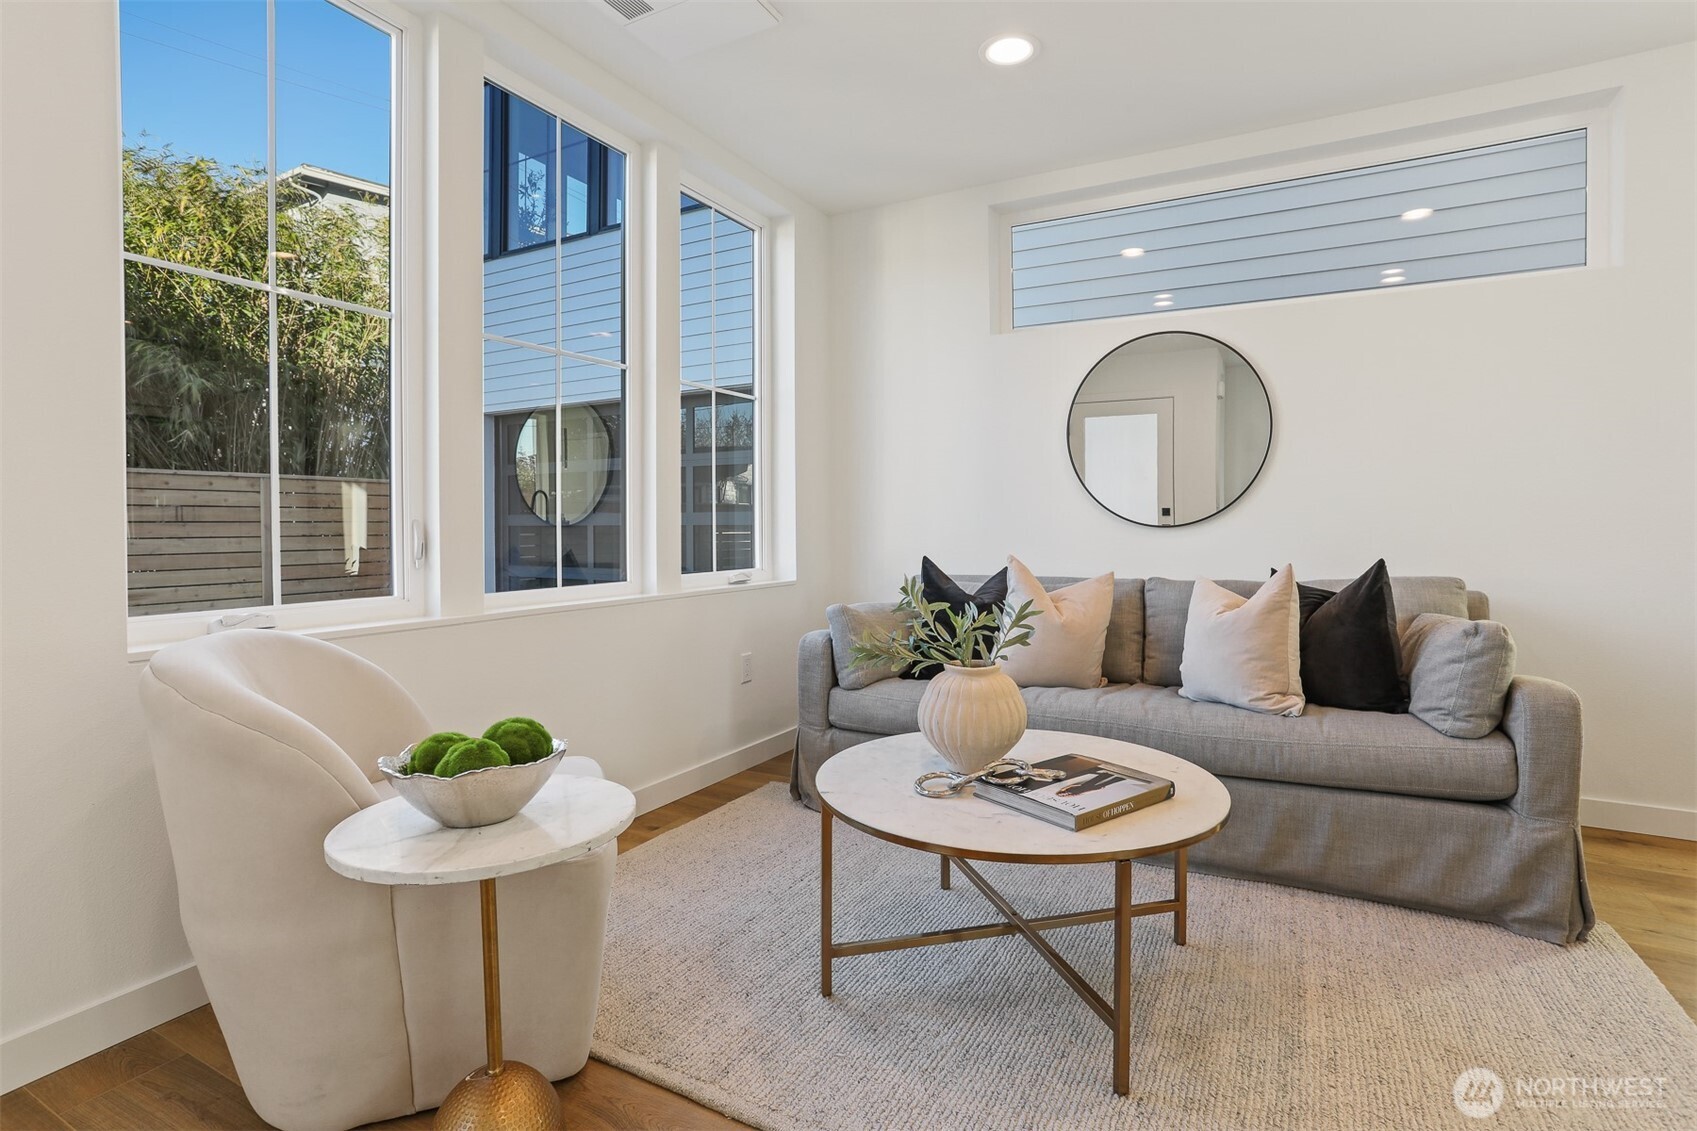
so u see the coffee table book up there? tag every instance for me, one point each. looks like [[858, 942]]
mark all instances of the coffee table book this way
[[1093, 791]]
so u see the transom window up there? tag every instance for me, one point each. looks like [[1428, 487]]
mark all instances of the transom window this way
[[258, 316], [1495, 210]]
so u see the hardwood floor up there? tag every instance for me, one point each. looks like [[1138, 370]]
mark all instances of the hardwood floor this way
[[179, 1074]]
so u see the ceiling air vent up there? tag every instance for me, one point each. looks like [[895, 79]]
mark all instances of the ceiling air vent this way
[[630, 9]]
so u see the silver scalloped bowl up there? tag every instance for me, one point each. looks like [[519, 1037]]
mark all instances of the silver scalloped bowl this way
[[475, 798]]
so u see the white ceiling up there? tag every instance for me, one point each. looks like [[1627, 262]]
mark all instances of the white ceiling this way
[[853, 103]]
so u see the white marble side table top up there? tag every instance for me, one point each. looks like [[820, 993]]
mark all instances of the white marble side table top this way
[[393, 843]]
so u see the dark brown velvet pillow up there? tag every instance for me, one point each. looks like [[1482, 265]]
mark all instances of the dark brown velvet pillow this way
[[1351, 655]]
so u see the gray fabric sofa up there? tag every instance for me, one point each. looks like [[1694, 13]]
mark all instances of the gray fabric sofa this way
[[1375, 806]]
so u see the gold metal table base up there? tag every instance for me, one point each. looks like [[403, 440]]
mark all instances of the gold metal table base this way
[[504, 1095], [1117, 1015]]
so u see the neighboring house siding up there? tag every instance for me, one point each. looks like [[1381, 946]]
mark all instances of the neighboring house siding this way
[[519, 303], [718, 302]]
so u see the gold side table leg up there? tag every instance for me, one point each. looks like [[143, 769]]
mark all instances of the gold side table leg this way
[[1181, 885], [504, 1095], [1122, 977], [945, 861]]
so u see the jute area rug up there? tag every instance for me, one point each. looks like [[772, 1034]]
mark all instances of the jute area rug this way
[[1288, 1009]]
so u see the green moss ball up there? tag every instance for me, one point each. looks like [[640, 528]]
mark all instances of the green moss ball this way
[[429, 752], [524, 740], [472, 754]]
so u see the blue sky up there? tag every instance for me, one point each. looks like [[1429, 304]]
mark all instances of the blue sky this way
[[194, 77]]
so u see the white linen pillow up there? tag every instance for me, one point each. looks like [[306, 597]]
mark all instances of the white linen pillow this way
[[1245, 652], [1070, 635]]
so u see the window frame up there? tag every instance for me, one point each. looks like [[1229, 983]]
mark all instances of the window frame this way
[[635, 458], [406, 352], [1363, 152], [695, 188]]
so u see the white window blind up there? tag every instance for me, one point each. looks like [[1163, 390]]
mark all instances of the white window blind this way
[[1496, 210]]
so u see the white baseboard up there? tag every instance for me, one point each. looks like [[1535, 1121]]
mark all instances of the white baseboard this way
[[685, 782], [1631, 817], [48, 1048]]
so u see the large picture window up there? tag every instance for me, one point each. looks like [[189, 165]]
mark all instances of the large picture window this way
[[554, 364], [1495, 210], [258, 316], [720, 390]]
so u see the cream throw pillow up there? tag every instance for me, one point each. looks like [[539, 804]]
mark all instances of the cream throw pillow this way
[[1070, 635], [1245, 652]]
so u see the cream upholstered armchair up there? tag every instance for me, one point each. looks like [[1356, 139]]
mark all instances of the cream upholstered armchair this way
[[345, 1002]]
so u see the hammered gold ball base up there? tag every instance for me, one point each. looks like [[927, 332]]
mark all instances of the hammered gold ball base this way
[[518, 1098]]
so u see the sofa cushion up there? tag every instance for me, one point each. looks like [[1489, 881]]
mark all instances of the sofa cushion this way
[[851, 622], [1166, 609], [888, 707], [1122, 657], [1351, 654], [1166, 603], [1458, 673], [1245, 651], [1447, 596], [1324, 747], [1068, 633]]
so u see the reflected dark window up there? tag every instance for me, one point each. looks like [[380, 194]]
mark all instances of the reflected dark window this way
[[540, 172]]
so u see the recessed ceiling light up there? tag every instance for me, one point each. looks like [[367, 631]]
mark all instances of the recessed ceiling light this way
[[1131, 252], [1164, 296], [1392, 279], [1164, 302], [1391, 271], [1009, 50], [1417, 214]]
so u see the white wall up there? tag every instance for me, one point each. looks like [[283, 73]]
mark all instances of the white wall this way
[[1532, 434], [90, 946]]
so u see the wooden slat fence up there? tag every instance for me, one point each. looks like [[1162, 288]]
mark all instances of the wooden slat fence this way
[[200, 540]]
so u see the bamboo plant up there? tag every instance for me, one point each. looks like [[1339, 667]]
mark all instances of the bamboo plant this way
[[935, 634]]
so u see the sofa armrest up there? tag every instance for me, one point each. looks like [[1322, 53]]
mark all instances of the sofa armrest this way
[[1542, 718], [816, 674]]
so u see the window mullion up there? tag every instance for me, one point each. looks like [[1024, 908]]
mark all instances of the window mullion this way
[[272, 546], [713, 381], [558, 186]]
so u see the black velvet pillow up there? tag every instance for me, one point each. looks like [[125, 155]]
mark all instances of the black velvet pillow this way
[[1351, 656], [939, 586]]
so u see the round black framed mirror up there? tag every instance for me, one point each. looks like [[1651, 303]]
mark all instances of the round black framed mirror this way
[[1170, 429]]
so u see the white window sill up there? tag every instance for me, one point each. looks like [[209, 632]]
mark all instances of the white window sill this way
[[142, 653]]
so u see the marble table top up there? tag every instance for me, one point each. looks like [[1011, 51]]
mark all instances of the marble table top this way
[[393, 843], [871, 786]]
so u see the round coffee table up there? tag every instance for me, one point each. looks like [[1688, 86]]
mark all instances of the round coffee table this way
[[871, 788], [393, 843]]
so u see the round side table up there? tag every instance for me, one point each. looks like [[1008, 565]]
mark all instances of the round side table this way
[[393, 843]]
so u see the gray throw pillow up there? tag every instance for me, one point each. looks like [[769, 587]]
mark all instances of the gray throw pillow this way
[[848, 624], [1458, 673]]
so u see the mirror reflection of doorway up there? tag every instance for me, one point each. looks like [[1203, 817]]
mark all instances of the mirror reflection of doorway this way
[[1124, 452]]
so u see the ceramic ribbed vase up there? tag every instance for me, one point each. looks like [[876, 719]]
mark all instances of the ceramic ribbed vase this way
[[971, 716]]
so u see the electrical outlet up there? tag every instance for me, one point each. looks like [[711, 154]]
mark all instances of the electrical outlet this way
[[748, 667]]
